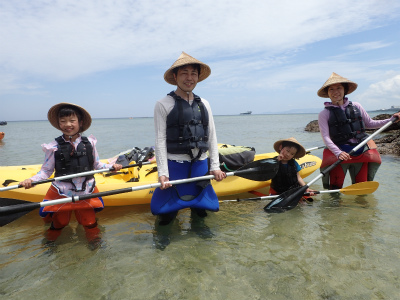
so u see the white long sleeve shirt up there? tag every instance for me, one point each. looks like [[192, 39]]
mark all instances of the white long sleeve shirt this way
[[161, 110]]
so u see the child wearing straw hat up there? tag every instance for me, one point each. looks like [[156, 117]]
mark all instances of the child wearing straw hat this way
[[70, 153], [342, 125], [288, 175], [185, 131]]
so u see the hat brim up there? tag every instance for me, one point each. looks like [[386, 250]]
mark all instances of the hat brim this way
[[52, 115], [205, 70], [300, 152], [323, 93]]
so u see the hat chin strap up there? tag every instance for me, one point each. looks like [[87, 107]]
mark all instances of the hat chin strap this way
[[71, 136]]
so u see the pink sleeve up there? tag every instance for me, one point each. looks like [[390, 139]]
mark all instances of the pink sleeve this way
[[324, 129], [97, 164], [49, 162], [370, 123]]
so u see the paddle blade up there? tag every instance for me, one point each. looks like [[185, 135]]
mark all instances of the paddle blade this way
[[259, 170], [361, 188], [286, 201], [12, 209]]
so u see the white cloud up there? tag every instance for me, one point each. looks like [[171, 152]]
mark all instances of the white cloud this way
[[61, 40], [382, 94], [362, 47], [389, 86], [278, 74], [11, 83]]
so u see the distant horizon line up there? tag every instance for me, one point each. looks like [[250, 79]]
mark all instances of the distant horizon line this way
[[230, 115]]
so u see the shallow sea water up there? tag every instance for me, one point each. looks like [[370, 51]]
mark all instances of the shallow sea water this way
[[340, 247]]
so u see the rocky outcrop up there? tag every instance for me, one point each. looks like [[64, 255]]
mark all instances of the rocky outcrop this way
[[312, 126], [388, 143]]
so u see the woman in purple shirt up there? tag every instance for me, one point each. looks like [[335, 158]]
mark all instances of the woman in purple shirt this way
[[342, 125]]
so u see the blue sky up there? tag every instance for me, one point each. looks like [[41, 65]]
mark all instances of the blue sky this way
[[265, 56]]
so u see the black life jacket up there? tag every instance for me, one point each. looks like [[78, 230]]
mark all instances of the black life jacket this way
[[187, 127], [286, 178], [70, 161], [345, 125]]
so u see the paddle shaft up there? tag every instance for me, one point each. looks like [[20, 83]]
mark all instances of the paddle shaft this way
[[314, 148], [276, 196], [360, 188], [31, 206], [88, 173]]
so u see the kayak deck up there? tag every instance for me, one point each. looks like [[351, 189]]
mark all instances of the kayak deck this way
[[133, 177]]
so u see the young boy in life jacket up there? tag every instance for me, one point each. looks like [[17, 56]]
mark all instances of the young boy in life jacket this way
[[70, 153], [288, 175]]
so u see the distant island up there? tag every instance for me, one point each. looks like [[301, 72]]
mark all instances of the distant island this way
[[391, 109], [246, 113]]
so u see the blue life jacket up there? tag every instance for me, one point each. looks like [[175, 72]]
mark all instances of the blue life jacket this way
[[345, 125], [187, 127]]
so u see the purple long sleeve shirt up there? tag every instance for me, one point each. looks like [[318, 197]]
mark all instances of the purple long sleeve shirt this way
[[323, 118]]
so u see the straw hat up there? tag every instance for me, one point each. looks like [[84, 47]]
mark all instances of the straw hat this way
[[300, 153], [335, 78], [186, 59], [52, 115]]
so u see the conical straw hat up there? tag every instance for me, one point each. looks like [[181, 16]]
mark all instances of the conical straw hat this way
[[52, 115], [300, 153], [335, 78], [186, 59]]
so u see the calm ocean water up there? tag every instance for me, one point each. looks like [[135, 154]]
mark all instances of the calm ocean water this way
[[340, 247]]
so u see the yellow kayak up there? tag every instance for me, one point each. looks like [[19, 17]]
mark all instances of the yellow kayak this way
[[133, 177]]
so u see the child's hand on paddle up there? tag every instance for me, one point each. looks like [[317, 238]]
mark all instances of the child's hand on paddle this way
[[116, 168], [27, 183], [311, 192]]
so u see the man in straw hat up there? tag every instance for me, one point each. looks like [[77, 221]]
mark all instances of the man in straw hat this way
[[342, 125], [288, 175], [185, 131]]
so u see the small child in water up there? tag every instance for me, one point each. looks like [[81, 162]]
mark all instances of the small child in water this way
[[288, 175]]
